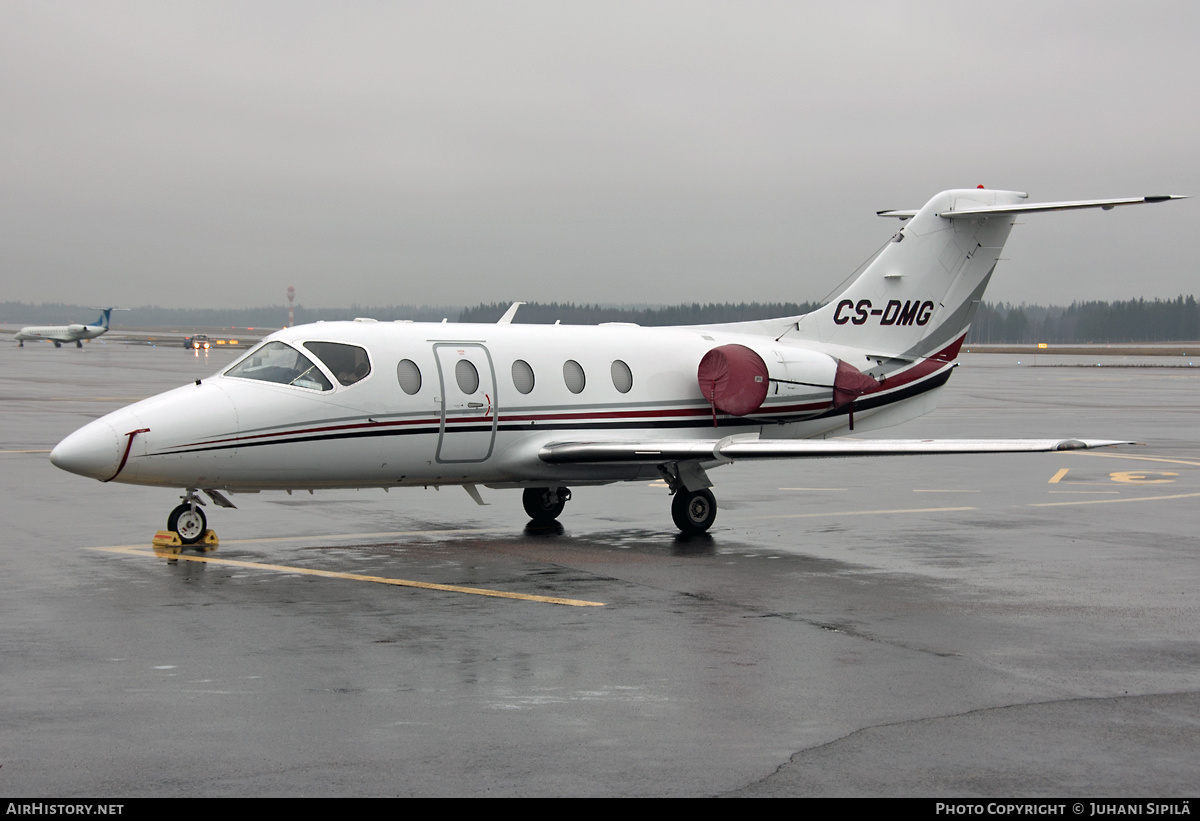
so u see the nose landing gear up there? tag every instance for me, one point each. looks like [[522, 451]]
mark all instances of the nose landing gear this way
[[189, 522]]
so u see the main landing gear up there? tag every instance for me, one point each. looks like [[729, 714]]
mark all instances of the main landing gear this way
[[544, 504], [694, 511], [693, 507]]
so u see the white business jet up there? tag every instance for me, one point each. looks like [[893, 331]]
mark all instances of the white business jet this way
[[58, 334], [542, 408]]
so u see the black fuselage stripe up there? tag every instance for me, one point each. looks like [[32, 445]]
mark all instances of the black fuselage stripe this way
[[860, 404]]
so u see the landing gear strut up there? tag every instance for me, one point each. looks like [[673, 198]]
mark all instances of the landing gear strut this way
[[188, 520], [544, 504], [693, 511]]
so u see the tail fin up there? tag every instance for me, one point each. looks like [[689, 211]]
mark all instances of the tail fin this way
[[919, 295], [102, 321]]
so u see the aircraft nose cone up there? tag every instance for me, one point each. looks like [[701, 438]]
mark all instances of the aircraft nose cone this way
[[94, 450]]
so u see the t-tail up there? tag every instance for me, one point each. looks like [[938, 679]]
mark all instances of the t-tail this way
[[918, 296], [102, 321]]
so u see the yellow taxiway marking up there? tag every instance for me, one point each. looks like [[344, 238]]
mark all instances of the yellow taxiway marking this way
[[131, 550], [866, 512], [964, 509], [1141, 477], [24, 451], [462, 531], [1139, 458], [1092, 492], [1056, 478], [936, 490], [813, 488], [1116, 501]]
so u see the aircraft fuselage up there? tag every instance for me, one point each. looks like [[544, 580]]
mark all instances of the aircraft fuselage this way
[[476, 405]]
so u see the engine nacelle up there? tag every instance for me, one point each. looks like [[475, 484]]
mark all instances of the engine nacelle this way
[[77, 329], [770, 379]]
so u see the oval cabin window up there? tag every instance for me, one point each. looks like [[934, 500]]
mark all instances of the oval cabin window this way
[[522, 376], [622, 377], [467, 376], [409, 376], [573, 376]]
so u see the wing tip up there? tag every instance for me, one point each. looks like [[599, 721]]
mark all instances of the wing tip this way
[[1089, 444]]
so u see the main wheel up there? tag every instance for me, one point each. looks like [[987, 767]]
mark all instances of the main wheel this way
[[190, 523], [538, 504], [693, 512]]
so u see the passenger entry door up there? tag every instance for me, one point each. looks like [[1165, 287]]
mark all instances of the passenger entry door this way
[[468, 399]]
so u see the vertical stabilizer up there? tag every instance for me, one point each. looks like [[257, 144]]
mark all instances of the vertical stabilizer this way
[[920, 293]]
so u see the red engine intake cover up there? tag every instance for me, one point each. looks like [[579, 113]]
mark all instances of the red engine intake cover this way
[[734, 379]]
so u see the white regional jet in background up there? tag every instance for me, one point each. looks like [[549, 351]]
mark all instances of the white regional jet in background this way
[[58, 334], [544, 407]]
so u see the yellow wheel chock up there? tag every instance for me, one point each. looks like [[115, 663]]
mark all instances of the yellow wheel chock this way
[[169, 540]]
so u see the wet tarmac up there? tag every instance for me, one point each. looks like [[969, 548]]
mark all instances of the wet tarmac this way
[[938, 626]]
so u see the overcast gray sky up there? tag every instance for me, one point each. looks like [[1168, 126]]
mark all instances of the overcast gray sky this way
[[212, 154]]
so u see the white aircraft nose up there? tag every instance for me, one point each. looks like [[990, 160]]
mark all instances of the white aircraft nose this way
[[94, 450]]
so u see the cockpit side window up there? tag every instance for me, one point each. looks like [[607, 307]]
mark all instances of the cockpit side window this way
[[282, 364], [349, 363]]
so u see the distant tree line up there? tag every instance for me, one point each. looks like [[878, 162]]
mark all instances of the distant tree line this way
[[266, 316], [1134, 320], [547, 313]]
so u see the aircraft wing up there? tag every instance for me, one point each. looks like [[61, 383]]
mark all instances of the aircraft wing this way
[[737, 448]]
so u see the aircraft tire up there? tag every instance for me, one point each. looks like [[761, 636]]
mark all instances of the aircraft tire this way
[[537, 503], [694, 512], [188, 523]]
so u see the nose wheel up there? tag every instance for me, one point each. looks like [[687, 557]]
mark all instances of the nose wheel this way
[[189, 522]]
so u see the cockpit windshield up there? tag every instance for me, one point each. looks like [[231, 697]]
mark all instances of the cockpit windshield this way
[[283, 364], [349, 363]]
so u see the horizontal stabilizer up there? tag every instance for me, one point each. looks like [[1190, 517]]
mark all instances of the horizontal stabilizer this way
[[1034, 207], [737, 448]]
